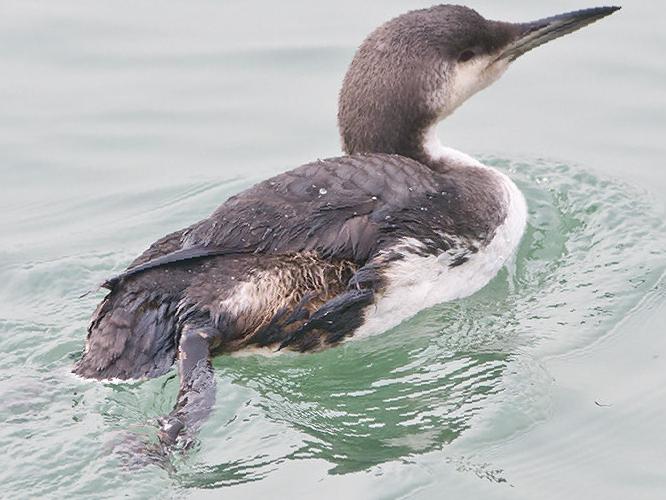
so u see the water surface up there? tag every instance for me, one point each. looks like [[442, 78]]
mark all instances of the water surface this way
[[122, 122]]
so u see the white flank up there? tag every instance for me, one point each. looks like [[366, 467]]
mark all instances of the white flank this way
[[415, 282]]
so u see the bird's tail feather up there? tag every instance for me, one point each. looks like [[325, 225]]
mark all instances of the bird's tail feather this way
[[132, 335]]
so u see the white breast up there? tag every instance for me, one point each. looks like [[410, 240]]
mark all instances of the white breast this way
[[415, 282]]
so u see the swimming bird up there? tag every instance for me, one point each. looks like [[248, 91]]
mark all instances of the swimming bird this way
[[341, 247]]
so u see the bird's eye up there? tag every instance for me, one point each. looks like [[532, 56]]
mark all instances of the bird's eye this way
[[466, 55]]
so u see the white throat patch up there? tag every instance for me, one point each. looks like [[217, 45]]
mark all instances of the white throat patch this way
[[463, 81], [473, 76], [437, 151], [467, 79]]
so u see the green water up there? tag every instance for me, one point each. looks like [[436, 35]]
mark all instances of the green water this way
[[121, 122]]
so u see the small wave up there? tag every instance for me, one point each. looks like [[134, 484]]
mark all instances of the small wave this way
[[470, 371]]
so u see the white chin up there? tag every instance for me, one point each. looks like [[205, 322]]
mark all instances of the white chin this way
[[474, 76]]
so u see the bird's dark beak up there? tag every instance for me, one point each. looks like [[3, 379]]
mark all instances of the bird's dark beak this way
[[531, 35]]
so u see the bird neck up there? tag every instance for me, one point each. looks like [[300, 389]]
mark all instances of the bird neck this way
[[389, 131], [416, 139]]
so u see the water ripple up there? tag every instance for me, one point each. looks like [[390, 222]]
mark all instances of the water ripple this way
[[466, 375]]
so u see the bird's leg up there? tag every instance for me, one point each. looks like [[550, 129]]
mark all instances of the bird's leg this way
[[196, 395]]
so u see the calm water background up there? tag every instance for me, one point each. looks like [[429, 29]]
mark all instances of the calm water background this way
[[121, 121]]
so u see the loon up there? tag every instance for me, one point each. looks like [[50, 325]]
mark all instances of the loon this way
[[340, 247]]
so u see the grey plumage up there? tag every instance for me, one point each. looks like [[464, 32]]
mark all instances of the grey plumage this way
[[342, 209], [295, 261], [389, 111]]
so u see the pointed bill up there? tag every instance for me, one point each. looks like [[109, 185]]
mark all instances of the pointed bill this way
[[536, 33]]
